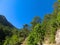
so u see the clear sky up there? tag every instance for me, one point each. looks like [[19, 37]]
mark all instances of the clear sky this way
[[19, 12]]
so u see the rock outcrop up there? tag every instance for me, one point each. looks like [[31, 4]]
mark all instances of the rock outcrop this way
[[57, 37]]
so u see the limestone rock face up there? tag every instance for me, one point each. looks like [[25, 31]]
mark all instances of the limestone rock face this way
[[57, 37]]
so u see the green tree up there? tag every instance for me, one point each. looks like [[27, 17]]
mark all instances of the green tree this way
[[35, 21], [37, 35]]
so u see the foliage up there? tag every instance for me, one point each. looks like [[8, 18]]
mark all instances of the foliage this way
[[35, 21], [36, 35], [11, 41]]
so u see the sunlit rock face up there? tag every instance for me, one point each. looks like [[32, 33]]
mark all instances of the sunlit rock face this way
[[57, 37], [48, 44]]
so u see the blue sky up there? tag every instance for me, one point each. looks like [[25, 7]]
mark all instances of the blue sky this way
[[19, 12]]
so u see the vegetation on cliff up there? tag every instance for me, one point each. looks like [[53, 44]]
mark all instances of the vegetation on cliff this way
[[38, 32]]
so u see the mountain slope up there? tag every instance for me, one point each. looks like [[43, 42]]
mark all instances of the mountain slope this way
[[6, 29], [4, 21]]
